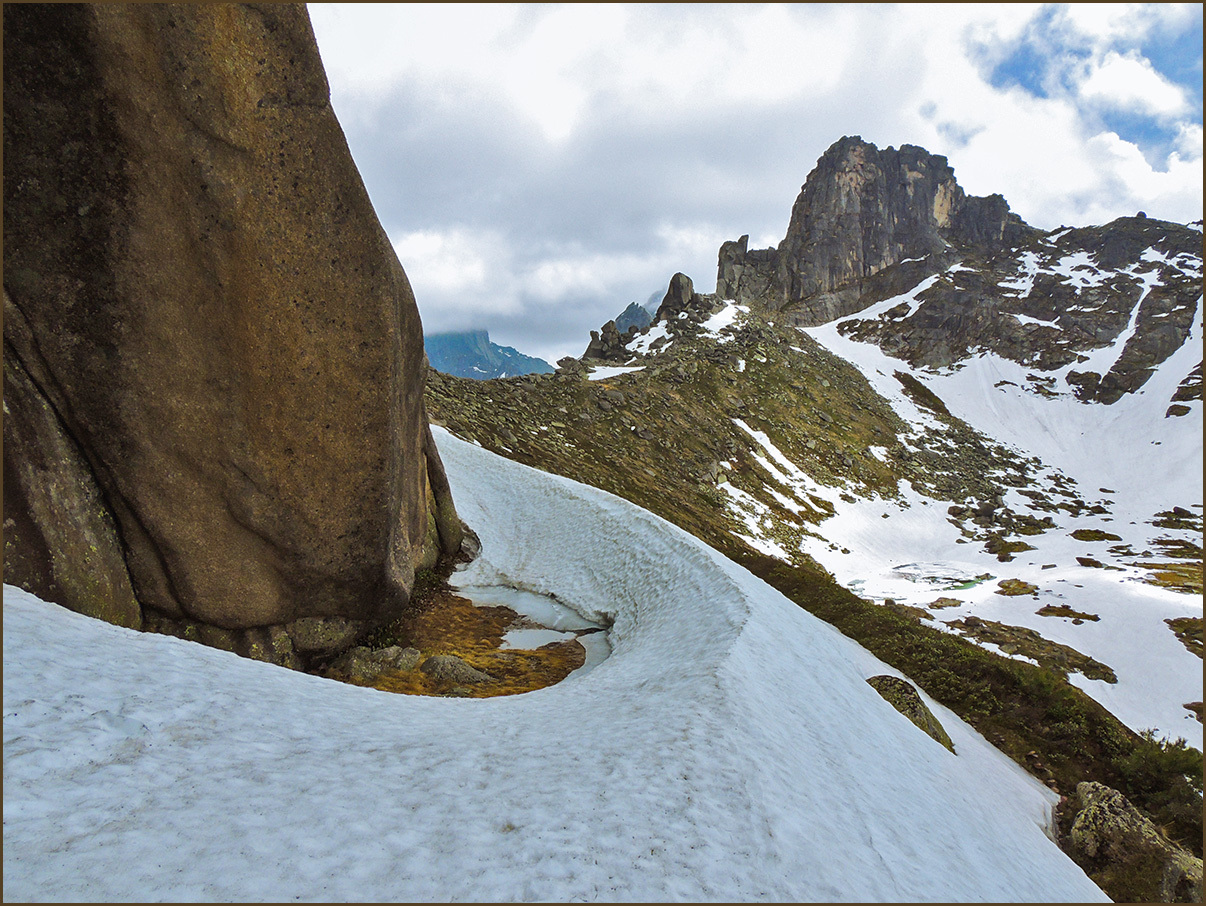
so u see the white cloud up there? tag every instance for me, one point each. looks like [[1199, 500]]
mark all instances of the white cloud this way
[[1130, 83], [451, 262], [597, 149], [1121, 24]]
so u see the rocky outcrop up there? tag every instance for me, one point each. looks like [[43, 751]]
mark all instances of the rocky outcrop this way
[[679, 295], [860, 211], [213, 360], [901, 695], [608, 345], [1124, 852]]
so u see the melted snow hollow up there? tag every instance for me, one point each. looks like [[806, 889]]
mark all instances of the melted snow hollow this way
[[728, 749]]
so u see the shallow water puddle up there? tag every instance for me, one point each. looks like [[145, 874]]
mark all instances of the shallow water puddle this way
[[544, 621]]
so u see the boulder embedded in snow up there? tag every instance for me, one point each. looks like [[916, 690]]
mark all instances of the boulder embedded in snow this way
[[211, 317], [1127, 854], [901, 695]]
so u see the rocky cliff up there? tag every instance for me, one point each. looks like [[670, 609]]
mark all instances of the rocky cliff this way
[[860, 211], [213, 360]]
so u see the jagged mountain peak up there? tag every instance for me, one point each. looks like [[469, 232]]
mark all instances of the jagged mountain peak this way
[[862, 210]]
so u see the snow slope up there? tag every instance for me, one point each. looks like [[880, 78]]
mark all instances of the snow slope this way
[[1127, 456], [728, 749]]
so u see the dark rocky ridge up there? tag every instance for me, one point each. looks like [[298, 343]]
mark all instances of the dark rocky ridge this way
[[213, 361], [1050, 300]]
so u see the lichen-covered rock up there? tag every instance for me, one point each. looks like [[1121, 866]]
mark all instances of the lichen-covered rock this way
[[901, 695], [58, 534], [365, 664], [1126, 854], [210, 315], [452, 669]]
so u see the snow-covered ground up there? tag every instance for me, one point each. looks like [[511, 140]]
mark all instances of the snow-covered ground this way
[[1127, 456], [728, 749]]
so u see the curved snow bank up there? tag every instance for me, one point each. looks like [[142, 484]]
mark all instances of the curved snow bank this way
[[729, 749]]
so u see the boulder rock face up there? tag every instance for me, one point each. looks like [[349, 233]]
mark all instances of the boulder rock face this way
[[860, 211], [901, 695], [211, 351], [1125, 853]]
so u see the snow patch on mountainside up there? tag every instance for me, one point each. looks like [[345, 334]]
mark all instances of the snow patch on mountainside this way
[[1129, 456], [728, 749]]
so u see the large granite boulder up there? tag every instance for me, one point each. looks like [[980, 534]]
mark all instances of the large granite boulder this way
[[213, 360]]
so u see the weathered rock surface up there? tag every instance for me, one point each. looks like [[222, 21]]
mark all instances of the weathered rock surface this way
[[366, 664], [452, 669], [1125, 853], [901, 695], [1051, 299], [216, 360]]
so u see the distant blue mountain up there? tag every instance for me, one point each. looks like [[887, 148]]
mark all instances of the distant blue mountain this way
[[633, 314], [471, 354]]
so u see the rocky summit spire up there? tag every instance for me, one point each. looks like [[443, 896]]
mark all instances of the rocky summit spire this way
[[860, 210]]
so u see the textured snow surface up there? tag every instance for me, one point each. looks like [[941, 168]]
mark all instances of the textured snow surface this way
[[728, 749], [603, 372]]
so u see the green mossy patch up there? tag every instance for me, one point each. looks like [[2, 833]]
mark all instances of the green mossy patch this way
[[1189, 631], [1027, 643], [1005, 549], [940, 603], [1085, 534], [1015, 587], [1185, 578], [922, 395], [1063, 610]]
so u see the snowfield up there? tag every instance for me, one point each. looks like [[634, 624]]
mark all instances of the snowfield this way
[[728, 749], [1129, 456]]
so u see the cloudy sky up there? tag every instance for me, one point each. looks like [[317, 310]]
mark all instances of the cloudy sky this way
[[539, 167]]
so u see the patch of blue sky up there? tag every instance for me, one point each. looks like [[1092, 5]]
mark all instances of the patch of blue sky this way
[[1178, 57], [1027, 67], [1155, 138]]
